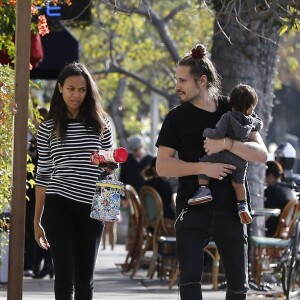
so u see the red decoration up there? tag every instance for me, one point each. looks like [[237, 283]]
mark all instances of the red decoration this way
[[36, 52], [196, 53]]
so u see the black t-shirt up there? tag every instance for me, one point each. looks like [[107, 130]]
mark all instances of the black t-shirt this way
[[164, 189], [131, 171], [182, 130], [276, 196]]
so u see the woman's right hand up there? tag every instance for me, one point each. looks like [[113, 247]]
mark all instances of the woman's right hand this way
[[40, 237]]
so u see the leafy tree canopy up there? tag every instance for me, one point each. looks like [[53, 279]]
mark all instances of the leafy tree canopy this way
[[138, 45]]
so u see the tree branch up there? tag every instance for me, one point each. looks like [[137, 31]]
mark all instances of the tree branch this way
[[174, 12], [271, 11], [145, 10], [115, 69], [115, 112]]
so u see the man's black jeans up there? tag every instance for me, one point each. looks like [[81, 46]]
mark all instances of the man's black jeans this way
[[74, 240], [194, 229]]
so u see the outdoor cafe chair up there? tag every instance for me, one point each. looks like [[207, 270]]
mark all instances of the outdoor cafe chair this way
[[267, 250], [135, 230], [154, 226]]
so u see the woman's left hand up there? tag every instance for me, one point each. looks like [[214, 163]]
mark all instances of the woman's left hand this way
[[40, 237]]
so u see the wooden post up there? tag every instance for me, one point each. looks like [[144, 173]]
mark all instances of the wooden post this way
[[18, 204]]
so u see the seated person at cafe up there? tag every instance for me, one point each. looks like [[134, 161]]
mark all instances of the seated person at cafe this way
[[138, 159], [276, 194]]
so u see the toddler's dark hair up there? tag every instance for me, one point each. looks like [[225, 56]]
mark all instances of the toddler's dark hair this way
[[242, 97]]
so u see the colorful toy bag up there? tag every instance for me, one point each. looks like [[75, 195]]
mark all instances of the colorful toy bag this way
[[107, 199]]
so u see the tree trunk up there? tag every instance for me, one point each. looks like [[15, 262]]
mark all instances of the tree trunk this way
[[249, 59], [116, 114]]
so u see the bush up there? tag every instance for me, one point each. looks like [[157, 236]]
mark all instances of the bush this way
[[6, 134]]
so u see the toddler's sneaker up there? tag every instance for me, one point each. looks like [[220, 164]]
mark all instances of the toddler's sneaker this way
[[202, 195], [244, 213]]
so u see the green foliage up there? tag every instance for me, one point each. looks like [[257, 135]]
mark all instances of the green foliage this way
[[283, 29], [8, 26], [7, 32], [288, 65], [7, 106], [293, 63], [6, 125], [292, 20], [8, 21], [131, 42]]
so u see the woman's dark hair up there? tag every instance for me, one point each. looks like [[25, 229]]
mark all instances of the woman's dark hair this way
[[150, 170], [91, 111], [274, 168], [242, 97], [200, 65]]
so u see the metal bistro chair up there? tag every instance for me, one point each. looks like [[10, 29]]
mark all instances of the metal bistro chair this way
[[135, 231], [269, 249]]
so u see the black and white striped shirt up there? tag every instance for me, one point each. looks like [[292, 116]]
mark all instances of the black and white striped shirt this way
[[65, 167]]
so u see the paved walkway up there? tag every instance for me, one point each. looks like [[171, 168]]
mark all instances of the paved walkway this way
[[111, 284]]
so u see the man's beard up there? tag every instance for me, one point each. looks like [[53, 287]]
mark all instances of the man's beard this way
[[189, 100]]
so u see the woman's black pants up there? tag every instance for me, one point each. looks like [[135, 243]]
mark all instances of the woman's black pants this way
[[74, 240], [194, 229]]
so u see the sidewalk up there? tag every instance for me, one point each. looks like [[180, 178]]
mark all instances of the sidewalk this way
[[111, 284]]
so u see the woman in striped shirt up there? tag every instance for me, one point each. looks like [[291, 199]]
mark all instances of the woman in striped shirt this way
[[65, 183]]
